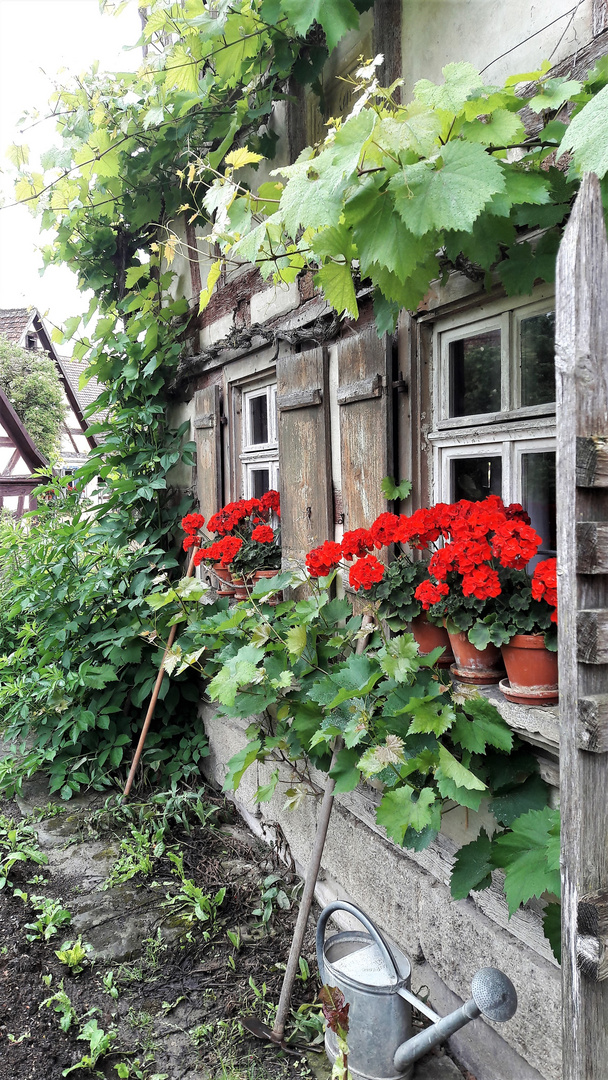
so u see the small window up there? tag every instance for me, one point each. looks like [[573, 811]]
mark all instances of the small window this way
[[494, 407], [260, 448], [31, 341]]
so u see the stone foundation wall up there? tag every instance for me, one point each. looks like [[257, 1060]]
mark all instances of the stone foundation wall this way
[[408, 897]]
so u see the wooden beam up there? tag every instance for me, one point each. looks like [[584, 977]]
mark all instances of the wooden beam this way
[[591, 547], [593, 935], [582, 435]]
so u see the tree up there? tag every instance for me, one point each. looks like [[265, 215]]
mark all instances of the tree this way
[[31, 383]]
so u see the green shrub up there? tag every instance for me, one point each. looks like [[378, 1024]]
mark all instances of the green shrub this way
[[31, 383]]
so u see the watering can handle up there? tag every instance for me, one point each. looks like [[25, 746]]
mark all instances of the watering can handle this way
[[342, 905]]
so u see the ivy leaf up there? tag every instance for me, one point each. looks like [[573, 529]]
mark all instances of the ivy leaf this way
[[587, 137], [472, 867], [529, 855], [449, 767], [402, 808], [239, 763], [449, 193]]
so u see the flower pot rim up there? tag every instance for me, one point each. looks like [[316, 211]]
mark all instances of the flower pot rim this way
[[527, 641]]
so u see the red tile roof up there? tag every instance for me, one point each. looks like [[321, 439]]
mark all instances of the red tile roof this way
[[13, 322]]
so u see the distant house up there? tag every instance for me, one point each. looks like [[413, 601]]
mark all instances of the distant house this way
[[19, 455]]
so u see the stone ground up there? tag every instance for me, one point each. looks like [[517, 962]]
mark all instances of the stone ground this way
[[177, 997]]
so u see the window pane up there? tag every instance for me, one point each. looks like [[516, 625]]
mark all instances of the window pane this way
[[538, 496], [538, 359], [475, 374], [258, 411], [476, 478], [260, 482]]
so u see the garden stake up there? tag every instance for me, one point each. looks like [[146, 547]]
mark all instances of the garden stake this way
[[251, 1022], [155, 693]]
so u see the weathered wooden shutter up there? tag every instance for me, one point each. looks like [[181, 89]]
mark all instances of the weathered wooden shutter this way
[[207, 433], [304, 453], [366, 441]]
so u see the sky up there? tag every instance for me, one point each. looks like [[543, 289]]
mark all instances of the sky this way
[[37, 39]]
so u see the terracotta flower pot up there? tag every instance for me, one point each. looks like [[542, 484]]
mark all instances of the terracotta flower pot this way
[[224, 584], [431, 637], [531, 670], [479, 666], [241, 591]]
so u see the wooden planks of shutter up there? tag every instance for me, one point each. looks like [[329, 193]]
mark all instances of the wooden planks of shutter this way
[[207, 433], [304, 453], [366, 438]]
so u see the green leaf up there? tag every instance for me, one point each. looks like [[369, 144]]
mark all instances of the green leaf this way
[[345, 771], [380, 235], [393, 491], [448, 193], [428, 716], [401, 809], [529, 855], [296, 640], [553, 94], [266, 791], [502, 128], [587, 137], [472, 867], [239, 762], [400, 658], [462, 80], [336, 18], [241, 670], [451, 768], [552, 926], [531, 794], [488, 727], [335, 279]]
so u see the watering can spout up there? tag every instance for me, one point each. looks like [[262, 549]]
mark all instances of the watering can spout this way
[[494, 996]]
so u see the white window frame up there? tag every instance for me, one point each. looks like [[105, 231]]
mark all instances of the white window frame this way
[[256, 456], [509, 433]]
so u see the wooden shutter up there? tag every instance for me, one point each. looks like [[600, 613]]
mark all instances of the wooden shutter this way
[[304, 453], [207, 433], [364, 397]]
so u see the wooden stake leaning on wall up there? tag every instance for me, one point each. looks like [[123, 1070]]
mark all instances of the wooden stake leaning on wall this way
[[582, 544], [251, 1022], [155, 693]]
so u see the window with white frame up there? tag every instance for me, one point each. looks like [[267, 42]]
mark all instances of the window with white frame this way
[[494, 410], [259, 446]]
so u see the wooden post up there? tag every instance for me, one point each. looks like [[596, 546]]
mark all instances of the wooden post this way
[[582, 513]]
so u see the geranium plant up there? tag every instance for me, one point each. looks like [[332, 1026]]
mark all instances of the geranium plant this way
[[246, 542]]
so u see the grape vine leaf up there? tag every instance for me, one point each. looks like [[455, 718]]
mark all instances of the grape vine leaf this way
[[529, 855], [462, 80], [517, 799], [473, 867], [336, 18], [345, 771], [587, 137], [448, 193], [239, 762], [501, 128], [400, 810], [429, 717], [452, 769], [486, 727], [335, 279], [552, 925]]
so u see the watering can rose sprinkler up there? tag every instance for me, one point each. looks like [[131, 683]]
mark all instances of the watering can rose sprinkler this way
[[375, 981]]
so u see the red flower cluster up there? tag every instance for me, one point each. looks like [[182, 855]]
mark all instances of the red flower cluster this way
[[421, 529], [223, 551], [428, 593], [544, 584], [356, 542], [322, 560], [483, 582], [385, 530], [270, 501], [232, 514], [365, 572], [515, 543], [263, 534], [192, 523], [191, 541]]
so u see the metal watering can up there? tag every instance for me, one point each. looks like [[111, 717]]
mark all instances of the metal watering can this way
[[375, 981]]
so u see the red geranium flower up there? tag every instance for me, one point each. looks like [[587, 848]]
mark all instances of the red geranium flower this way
[[544, 583], [428, 593], [227, 548], [192, 523], [482, 583], [322, 560], [515, 543], [356, 542], [191, 541], [365, 572], [384, 529], [270, 501], [263, 534], [419, 530]]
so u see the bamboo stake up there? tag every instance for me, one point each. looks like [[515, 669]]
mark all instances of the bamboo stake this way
[[154, 698]]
